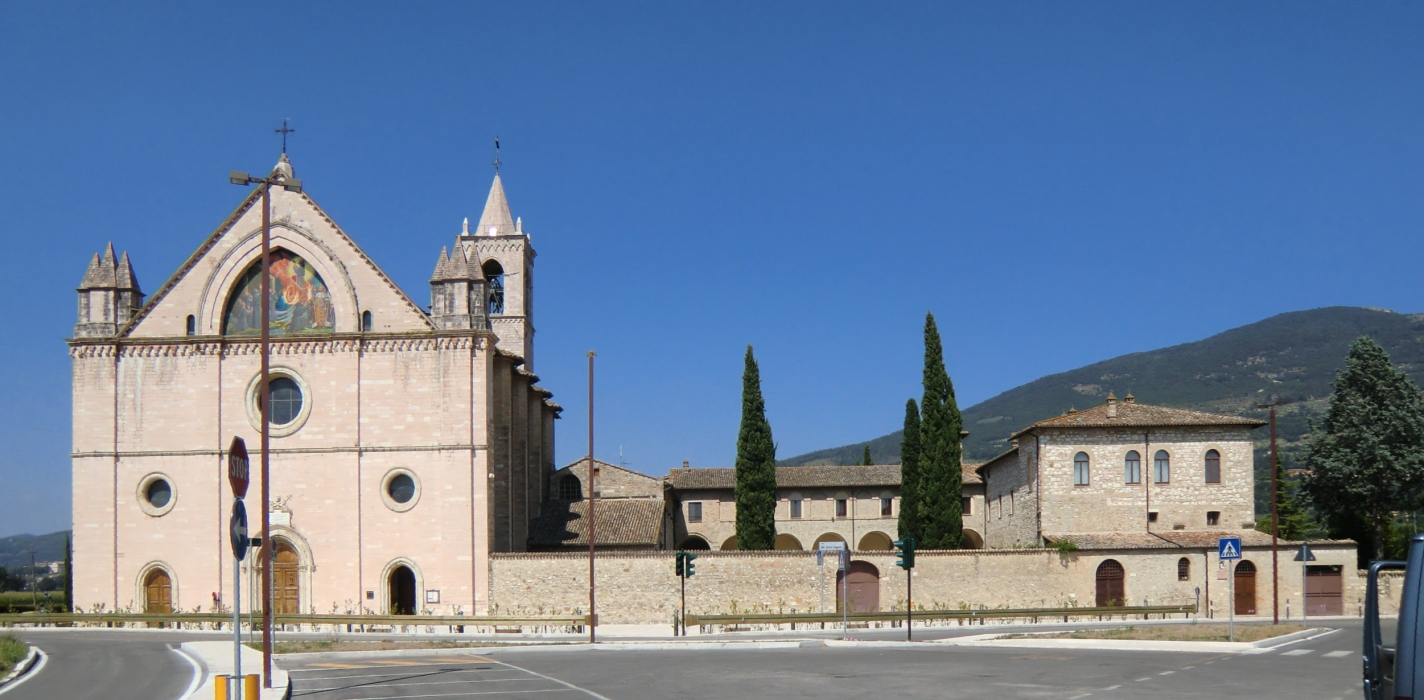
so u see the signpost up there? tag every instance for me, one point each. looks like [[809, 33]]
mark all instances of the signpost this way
[[1304, 555], [843, 566], [1228, 549], [237, 535]]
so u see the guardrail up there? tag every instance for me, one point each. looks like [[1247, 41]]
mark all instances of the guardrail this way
[[224, 620], [930, 615]]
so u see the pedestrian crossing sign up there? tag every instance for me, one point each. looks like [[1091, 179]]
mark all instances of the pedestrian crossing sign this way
[[1228, 548]]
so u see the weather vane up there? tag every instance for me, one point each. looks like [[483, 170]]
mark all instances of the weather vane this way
[[284, 131], [496, 156]]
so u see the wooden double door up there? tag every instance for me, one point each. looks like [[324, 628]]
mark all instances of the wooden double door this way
[[1244, 579], [286, 580]]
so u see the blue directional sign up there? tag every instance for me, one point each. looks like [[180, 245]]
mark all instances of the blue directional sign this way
[[1228, 548]]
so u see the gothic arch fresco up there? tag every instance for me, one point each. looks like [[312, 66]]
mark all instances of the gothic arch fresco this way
[[239, 260], [301, 302]]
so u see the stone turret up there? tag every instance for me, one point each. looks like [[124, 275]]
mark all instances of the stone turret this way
[[109, 296], [457, 292], [500, 247]]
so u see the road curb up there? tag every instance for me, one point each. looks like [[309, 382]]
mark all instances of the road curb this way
[[34, 660], [216, 658]]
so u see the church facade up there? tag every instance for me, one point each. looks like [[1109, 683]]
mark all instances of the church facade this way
[[408, 444]]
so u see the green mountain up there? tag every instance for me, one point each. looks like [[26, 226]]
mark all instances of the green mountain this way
[[15, 551], [1292, 358]]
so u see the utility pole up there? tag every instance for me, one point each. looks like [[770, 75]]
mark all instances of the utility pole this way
[[289, 184], [34, 593], [1275, 523], [592, 475]]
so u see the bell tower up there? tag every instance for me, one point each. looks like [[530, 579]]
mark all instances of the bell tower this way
[[504, 256]]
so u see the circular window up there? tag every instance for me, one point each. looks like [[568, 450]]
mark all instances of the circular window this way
[[400, 490], [290, 403], [156, 494]]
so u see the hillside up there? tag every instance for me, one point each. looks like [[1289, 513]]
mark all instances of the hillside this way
[[1293, 356], [15, 551]]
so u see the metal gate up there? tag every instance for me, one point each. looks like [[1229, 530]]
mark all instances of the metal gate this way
[[1323, 590], [862, 587]]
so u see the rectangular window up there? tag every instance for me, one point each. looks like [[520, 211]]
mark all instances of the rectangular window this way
[[841, 508], [1011, 503], [1152, 517], [694, 512], [967, 506], [1213, 517], [886, 508], [1000, 506], [795, 507], [1080, 473]]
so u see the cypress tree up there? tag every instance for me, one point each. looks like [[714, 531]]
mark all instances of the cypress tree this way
[[1367, 457], [941, 489], [755, 489], [1294, 522], [909, 525], [68, 576], [866, 459]]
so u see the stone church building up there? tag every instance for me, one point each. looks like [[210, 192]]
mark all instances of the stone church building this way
[[408, 443]]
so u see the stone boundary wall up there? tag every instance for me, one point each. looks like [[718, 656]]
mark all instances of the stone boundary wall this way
[[642, 588]]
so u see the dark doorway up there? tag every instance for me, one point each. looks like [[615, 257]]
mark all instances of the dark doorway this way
[[695, 542], [862, 587], [1245, 579], [1323, 594], [1110, 587], [402, 591]]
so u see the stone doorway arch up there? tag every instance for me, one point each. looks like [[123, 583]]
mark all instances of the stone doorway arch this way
[[1111, 593], [972, 540], [862, 587], [401, 585], [286, 582], [158, 592]]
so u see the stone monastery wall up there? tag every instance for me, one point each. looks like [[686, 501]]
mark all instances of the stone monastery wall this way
[[641, 587]]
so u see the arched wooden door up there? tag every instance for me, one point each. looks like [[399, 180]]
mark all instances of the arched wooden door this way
[[1245, 580], [1110, 585], [402, 590], [286, 591], [862, 587], [158, 592]]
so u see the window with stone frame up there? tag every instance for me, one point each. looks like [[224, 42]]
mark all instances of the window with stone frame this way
[[1213, 517], [967, 505], [1213, 467], [1080, 469], [842, 507], [1132, 468], [795, 507], [694, 512], [1162, 468], [886, 507]]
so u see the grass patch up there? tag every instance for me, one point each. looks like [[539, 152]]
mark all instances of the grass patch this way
[[1178, 633], [12, 651], [24, 601], [315, 645]]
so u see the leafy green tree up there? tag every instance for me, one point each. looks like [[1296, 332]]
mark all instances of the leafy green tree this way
[[866, 459], [755, 489], [1295, 522], [1367, 457], [909, 524], [942, 523]]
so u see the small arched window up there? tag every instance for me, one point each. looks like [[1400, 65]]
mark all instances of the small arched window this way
[[1132, 468], [570, 488], [1162, 468], [1213, 467], [494, 275], [192, 325], [1080, 469], [366, 321], [1184, 569]]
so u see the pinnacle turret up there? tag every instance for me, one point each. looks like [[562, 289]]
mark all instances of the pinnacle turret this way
[[496, 219]]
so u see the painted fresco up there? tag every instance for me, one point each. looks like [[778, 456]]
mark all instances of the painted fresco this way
[[301, 302]]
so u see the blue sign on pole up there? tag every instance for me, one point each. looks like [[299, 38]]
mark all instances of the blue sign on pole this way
[[1228, 548]]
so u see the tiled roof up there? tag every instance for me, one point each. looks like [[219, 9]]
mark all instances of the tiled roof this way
[[621, 521], [1136, 415], [1169, 539], [804, 477]]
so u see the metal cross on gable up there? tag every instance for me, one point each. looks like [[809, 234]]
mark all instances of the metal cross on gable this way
[[497, 163], [284, 131]]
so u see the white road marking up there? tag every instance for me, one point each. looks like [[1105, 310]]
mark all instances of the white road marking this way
[[1080, 697], [1143, 679], [1297, 652], [1166, 673], [1115, 687], [197, 674], [407, 674], [35, 671], [566, 684], [1188, 668], [1337, 654]]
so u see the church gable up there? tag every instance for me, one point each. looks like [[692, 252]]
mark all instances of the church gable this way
[[322, 282]]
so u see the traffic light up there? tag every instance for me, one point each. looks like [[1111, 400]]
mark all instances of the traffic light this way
[[680, 556], [687, 568], [906, 555]]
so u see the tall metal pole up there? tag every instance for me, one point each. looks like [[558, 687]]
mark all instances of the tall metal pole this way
[[1275, 531], [237, 628], [264, 401], [592, 611], [909, 605]]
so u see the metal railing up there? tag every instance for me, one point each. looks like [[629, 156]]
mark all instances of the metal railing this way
[[936, 615], [224, 620]]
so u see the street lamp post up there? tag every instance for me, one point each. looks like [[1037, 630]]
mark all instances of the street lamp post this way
[[263, 400]]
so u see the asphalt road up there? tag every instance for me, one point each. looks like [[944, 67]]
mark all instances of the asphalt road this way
[[1325, 668], [105, 665]]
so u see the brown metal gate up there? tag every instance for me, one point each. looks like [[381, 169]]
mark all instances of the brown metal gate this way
[[862, 587], [1245, 588], [1323, 590], [1110, 585]]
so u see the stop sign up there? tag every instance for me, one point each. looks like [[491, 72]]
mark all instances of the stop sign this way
[[237, 467]]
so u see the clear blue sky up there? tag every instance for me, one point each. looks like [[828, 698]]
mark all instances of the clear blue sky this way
[[1059, 182]]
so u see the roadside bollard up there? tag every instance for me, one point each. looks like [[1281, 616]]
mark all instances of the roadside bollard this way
[[224, 685], [220, 686], [249, 687]]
